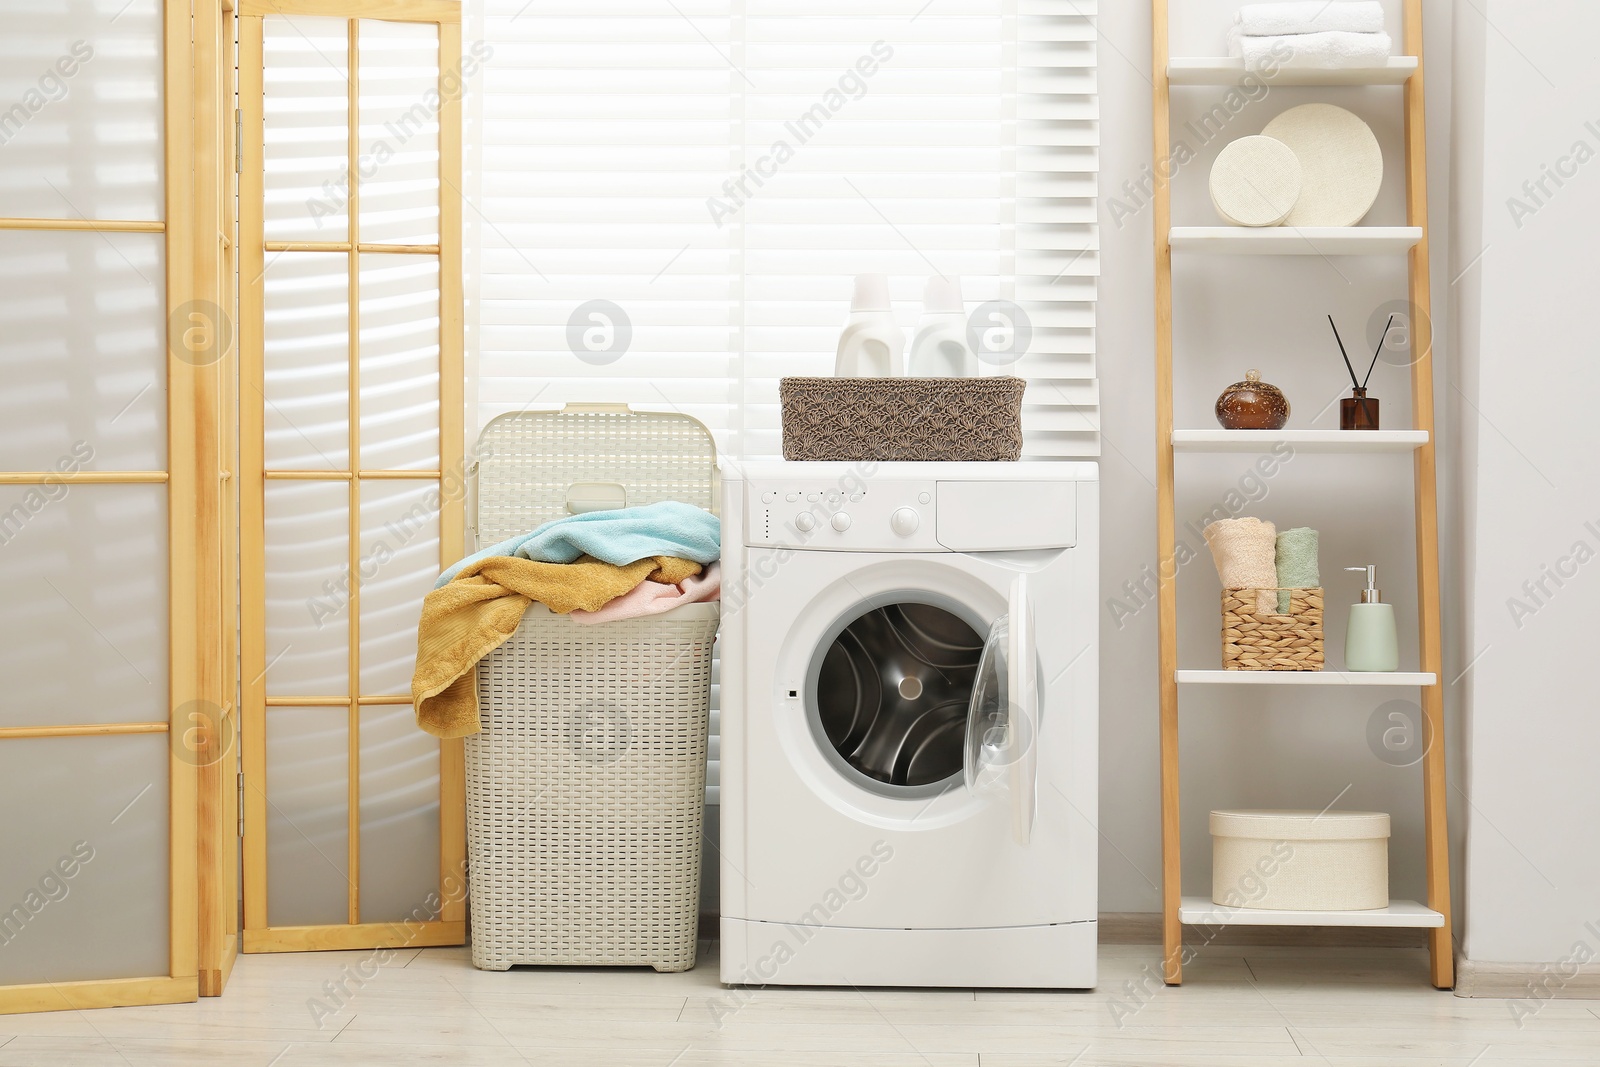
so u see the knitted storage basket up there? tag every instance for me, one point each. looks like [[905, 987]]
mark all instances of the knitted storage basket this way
[[883, 419], [1255, 640]]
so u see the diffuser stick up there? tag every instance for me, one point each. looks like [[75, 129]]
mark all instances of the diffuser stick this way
[[1353, 383], [1377, 352]]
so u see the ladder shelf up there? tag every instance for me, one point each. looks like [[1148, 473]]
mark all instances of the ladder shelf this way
[[1433, 914]]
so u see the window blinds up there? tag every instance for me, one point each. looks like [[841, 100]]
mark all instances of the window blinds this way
[[669, 197], [666, 199]]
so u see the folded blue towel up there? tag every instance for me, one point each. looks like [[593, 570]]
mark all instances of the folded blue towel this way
[[620, 537]]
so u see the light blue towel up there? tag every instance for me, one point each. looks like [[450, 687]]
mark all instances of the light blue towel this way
[[620, 537]]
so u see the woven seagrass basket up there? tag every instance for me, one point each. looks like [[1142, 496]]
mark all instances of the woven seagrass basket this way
[[1256, 640], [885, 419]]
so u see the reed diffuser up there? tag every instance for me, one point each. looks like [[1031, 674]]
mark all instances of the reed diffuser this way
[[1358, 411]]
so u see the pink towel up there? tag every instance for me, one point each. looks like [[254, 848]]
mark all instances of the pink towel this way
[[652, 598]]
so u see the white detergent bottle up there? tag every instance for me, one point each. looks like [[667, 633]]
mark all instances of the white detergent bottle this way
[[940, 349], [871, 345]]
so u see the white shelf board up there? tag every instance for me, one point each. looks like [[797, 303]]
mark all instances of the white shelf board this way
[[1294, 240], [1299, 440], [1307, 677], [1199, 911], [1225, 70]]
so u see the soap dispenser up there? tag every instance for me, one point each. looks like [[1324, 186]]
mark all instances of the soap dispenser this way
[[1371, 642], [871, 345]]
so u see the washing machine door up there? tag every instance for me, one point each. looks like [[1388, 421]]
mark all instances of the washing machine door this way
[[1001, 756]]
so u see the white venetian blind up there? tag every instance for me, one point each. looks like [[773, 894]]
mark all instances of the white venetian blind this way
[[716, 171], [667, 198]]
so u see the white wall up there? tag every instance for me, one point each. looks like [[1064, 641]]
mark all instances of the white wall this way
[[1251, 747], [1527, 306]]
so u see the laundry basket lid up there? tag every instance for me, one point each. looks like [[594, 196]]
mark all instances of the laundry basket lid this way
[[534, 466]]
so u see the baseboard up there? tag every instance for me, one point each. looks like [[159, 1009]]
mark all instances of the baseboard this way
[[1530, 982], [1144, 928]]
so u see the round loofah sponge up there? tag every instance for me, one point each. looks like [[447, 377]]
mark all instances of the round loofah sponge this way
[[1255, 182], [1341, 165]]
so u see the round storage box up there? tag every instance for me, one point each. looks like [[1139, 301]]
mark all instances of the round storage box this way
[[1300, 860]]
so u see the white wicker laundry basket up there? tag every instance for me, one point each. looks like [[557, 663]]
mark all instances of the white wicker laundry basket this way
[[586, 786]]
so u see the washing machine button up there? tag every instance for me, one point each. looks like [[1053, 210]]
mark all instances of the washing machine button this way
[[805, 522], [924, 498], [769, 496], [792, 497], [813, 497], [840, 521], [904, 521]]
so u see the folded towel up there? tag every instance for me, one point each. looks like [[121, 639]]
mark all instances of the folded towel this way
[[1309, 16], [653, 598], [1245, 551], [1311, 51], [477, 612], [1296, 563], [665, 529]]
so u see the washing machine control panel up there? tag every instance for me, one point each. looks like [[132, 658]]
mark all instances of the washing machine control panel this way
[[852, 514], [846, 515]]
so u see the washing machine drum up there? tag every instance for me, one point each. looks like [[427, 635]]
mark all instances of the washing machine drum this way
[[893, 691]]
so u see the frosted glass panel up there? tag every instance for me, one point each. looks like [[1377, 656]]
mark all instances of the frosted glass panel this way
[[308, 601], [80, 110], [84, 350], [83, 606], [399, 362], [84, 870], [307, 119], [399, 816], [307, 360], [400, 560], [308, 865], [399, 172]]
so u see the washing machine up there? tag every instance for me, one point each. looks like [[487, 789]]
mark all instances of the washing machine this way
[[909, 724]]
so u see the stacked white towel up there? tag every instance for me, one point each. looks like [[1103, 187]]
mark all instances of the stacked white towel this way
[[1310, 35], [1310, 16]]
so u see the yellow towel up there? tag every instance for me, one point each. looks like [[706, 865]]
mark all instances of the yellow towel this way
[[475, 613]]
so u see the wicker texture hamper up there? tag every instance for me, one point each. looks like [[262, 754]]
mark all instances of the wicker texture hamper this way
[[586, 787]]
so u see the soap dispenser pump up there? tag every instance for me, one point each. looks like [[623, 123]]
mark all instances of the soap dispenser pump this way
[[1370, 641]]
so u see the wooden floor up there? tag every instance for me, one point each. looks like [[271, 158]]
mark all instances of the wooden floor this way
[[1242, 1007]]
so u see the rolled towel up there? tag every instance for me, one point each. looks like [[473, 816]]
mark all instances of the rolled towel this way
[[1245, 551], [1311, 51], [1309, 16], [1296, 563]]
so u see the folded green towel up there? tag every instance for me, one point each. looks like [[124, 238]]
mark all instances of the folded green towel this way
[[1296, 558]]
